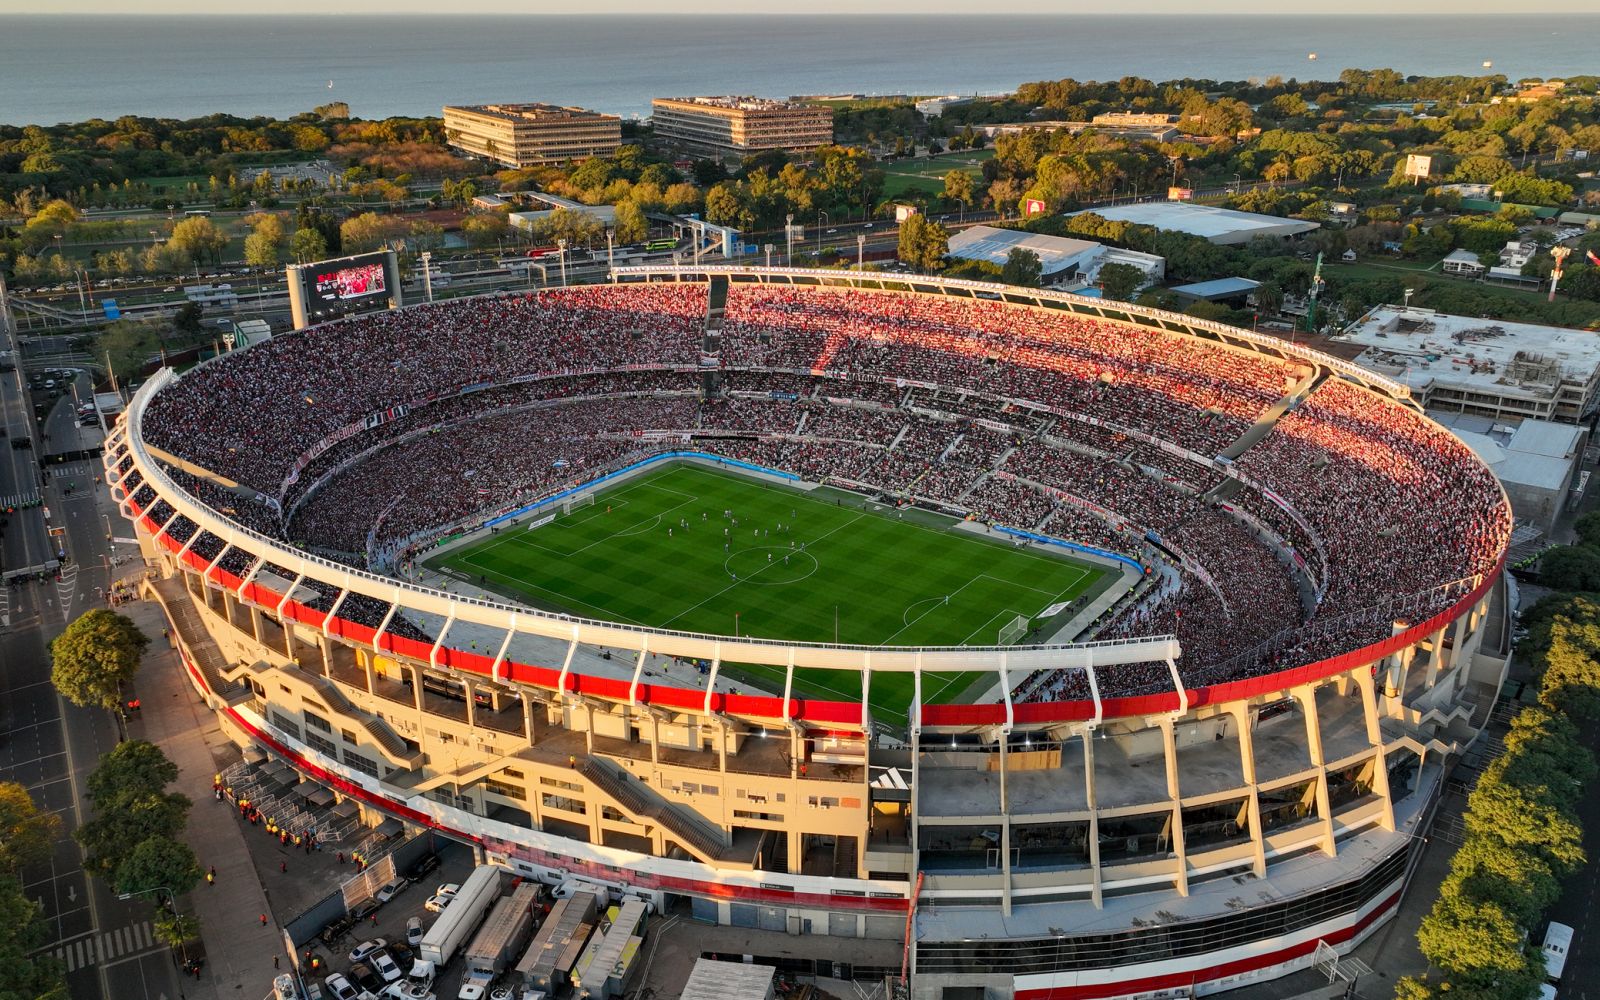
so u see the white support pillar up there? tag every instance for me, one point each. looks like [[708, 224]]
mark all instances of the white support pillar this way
[[711, 678], [1095, 890], [288, 595], [1247, 765], [168, 523], [433, 654], [1180, 851], [566, 666], [866, 689], [500, 657], [1307, 697], [638, 670], [226, 548], [1005, 799], [333, 612], [383, 626], [1380, 774]]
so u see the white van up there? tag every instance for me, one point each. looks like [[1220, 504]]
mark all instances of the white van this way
[[1557, 942]]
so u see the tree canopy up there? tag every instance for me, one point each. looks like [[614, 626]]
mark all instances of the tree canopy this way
[[95, 656]]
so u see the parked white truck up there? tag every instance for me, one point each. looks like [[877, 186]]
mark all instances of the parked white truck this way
[[459, 919], [500, 941]]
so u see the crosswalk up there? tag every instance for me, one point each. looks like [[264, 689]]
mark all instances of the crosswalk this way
[[99, 949], [21, 500], [72, 470]]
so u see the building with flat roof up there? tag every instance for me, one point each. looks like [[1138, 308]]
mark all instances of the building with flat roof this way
[[1490, 367], [737, 126], [717, 980], [1217, 290], [933, 107], [1536, 461], [528, 135], [1223, 226], [1064, 262], [1152, 132], [1136, 119]]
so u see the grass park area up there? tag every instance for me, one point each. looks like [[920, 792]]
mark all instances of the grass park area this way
[[658, 550], [927, 174]]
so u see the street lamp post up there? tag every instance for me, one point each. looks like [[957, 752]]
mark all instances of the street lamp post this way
[[172, 905], [427, 274], [611, 263], [821, 218], [768, 247], [861, 250], [562, 244], [788, 235]]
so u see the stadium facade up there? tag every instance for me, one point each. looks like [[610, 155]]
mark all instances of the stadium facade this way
[[1150, 833]]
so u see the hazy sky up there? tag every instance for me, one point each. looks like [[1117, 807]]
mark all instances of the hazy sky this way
[[908, 7]]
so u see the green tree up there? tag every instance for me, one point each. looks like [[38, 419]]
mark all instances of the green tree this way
[[1571, 567], [426, 235], [25, 833], [25, 975], [726, 205], [307, 245], [958, 187], [923, 244], [484, 229], [264, 246], [129, 344], [174, 929], [631, 224], [95, 656], [196, 239], [158, 863], [1119, 281], [1022, 267], [369, 231], [131, 804], [568, 224]]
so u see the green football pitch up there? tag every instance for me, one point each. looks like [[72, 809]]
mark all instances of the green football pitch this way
[[692, 548]]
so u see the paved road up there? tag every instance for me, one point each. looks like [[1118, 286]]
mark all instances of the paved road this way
[[50, 746]]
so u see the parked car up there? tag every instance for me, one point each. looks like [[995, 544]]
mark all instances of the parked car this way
[[339, 987], [424, 866], [441, 897], [365, 948], [365, 977], [414, 931], [391, 889], [384, 965]]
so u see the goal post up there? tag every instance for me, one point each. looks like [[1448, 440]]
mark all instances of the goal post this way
[[577, 503], [1013, 630]]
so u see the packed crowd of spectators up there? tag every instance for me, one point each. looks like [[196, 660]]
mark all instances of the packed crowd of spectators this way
[[386, 427]]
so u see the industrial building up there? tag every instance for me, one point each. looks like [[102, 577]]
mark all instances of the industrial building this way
[[1222, 226], [1537, 462], [1066, 263], [1493, 368], [736, 126], [529, 135]]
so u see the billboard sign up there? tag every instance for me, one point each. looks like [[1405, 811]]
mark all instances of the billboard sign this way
[[1033, 206], [1180, 194], [1418, 165]]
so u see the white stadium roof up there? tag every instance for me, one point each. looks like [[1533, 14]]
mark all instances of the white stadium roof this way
[[1219, 225]]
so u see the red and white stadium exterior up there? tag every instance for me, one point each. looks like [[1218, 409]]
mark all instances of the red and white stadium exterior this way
[[1168, 897]]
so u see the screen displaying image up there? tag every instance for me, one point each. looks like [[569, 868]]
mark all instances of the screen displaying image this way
[[353, 282]]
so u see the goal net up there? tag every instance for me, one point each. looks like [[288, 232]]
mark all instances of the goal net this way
[[1013, 630], [578, 502]]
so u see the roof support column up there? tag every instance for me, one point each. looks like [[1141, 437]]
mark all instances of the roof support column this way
[[1169, 746], [1380, 766], [1247, 764], [1005, 799], [1306, 695], [1094, 811]]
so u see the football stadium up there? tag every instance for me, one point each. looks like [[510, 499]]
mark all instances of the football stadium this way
[[1044, 647]]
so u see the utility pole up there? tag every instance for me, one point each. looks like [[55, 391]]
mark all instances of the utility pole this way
[[427, 274], [861, 250]]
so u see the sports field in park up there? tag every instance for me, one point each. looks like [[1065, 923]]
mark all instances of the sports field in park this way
[[694, 548]]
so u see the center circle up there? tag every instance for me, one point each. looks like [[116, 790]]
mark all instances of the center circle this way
[[753, 566]]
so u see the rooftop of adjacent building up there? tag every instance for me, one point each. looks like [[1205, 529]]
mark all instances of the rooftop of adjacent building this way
[[1206, 221], [737, 103], [1530, 452], [530, 112], [1420, 346]]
